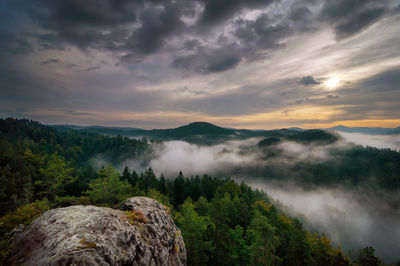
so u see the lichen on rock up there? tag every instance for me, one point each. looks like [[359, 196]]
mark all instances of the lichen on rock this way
[[90, 235]]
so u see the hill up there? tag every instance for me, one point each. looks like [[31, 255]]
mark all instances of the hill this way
[[197, 132], [195, 128]]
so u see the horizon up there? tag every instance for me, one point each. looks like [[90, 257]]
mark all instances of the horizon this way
[[251, 65], [185, 124]]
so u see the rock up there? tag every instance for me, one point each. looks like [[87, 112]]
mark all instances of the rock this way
[[15, 231], [144, 234]]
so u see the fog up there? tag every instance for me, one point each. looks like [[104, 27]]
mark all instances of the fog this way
[[352, 217], [378, 141], [229, 158], [170, 157]]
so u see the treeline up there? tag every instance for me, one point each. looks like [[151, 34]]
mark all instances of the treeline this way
[[78, 147], [31, 152]]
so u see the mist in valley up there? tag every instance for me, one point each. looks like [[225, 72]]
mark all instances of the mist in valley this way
[[353, 217], [378, 141]]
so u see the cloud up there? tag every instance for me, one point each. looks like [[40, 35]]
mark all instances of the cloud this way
[[353, 219], [358, 22], [352, 16], [193, 159], [202, 62], [157, 25], [385, 81], [217, 11], [23, 47], [133, 30], [16, 46], [378, 141], [308, 80], [49, 61]]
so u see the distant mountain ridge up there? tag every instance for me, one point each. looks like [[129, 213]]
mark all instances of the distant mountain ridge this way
[[206, 128], [196, 132], [207, 133]]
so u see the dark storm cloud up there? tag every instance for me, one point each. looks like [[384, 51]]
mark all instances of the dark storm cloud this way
[[358, 22], [352, 16], [133, 30], [208, 61], [262, 33], [137, 27], [308, 80], [251, 38], [217, 11], [335, 10], [22, 47], [16, 46], [226, 63], [49, 61], [302, 18], [157, 24]]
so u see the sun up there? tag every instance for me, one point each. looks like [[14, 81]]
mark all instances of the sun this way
[[332, 82]]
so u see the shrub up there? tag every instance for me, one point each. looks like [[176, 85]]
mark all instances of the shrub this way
[[23, 215], [71, 200], [135, 217]]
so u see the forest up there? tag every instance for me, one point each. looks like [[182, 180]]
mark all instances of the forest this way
[[223, 222]]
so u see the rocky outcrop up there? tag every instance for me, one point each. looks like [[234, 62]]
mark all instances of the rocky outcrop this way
[[143, 234]]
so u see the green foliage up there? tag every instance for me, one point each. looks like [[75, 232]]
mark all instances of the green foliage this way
[[268, 141], [108, 189], [76, 146], [367, 257], [71, 200], [23, 215], [158, 196], [37, 161], [240, 254], [55, 178], [314, 136], [263, 247], [194, 230]]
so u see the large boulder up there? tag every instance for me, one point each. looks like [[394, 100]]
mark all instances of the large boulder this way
[[143, 234]]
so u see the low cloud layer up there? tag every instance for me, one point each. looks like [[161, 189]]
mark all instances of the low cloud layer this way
[[353, 217], [377, 141], [174, 156]]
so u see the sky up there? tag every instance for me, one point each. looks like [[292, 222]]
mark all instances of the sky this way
[[256, 64]]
